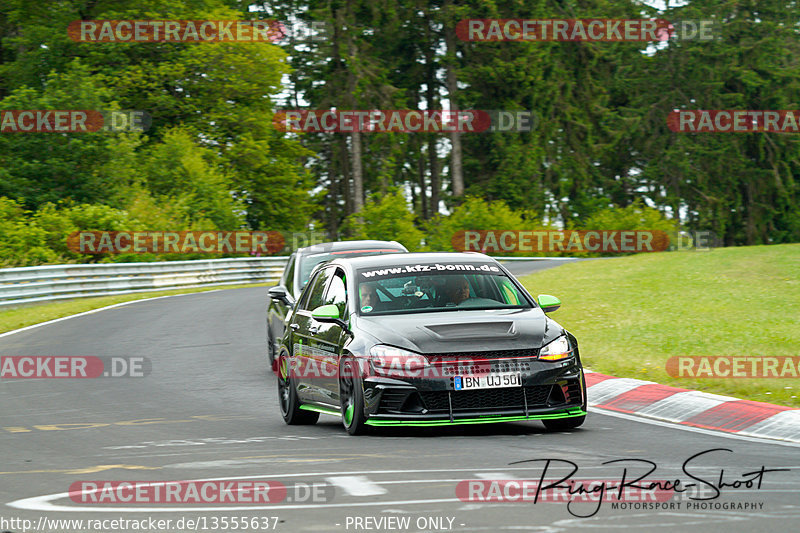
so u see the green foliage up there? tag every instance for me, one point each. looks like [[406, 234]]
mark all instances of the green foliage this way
[[49, 167], [628, 318], [478, 214], [33, 238], [386, 218], [22, 244], [180, 173], [636, 216], [211, 159]]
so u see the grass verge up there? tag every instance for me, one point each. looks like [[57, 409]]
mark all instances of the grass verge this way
[[631, 314], [20, 317]]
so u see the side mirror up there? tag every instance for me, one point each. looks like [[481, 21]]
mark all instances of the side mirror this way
[[281, 294], [326, 313], [329, 314], [548, 303]]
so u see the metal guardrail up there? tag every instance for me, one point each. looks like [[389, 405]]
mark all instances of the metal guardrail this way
[[58, 282]]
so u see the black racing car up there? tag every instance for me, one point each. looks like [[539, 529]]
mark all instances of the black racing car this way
[[296, 274], [425, 340]]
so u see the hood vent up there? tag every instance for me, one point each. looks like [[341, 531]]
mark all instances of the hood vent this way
[[472, 330]]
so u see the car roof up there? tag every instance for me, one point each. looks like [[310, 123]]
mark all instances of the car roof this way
[[364, 245], [413, 259]]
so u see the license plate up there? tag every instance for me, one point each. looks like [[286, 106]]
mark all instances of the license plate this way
[[488, 381]]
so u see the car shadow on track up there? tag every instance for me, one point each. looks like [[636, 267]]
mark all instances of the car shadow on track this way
[[499, 429]]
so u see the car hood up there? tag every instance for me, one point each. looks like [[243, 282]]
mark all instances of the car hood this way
[[456, 331]]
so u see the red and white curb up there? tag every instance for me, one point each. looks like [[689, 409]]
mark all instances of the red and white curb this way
[[693, 408]]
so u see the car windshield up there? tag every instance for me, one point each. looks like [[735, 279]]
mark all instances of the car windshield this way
[[308, 262], [436, 287]]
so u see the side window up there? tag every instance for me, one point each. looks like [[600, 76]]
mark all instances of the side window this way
[[337, 293], [287, 280], [315, 292]]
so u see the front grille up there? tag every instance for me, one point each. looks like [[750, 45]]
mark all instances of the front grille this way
[[457, 369], [481, 356], [475, 400]]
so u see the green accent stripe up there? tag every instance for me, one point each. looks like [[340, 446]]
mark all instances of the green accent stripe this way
[[323, 410], [488, 420]]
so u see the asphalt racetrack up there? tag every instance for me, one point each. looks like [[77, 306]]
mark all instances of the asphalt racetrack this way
[[208, 410]]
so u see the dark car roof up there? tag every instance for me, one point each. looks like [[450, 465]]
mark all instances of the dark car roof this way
[[414, 258], [328, 247]]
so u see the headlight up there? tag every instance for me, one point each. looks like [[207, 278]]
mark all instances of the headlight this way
[[389, 358], [556, 350]]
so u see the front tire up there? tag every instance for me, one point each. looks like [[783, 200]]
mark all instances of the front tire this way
[[270, 346], [562, 424], [351, 394], [288, 400]]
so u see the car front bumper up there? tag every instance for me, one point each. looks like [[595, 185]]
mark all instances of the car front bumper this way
[[548, 390]]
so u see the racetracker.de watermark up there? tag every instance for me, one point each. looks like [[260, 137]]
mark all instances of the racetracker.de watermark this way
[[312, 363], [403, 121], [73, 121], [583, 241], [73, 367], [175, 242], [177, 31], [489, 241], [734, 121], [560, 490], [733, 366], [236, 492], [599, 30]]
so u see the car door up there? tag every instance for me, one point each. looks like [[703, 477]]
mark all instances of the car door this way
[[305, 346], [330, 338]]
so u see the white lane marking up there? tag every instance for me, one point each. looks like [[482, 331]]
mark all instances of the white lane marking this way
[[26, 328], [671, 425], [611, 388], [492, 476], [43, 503], [356, 485], [217, 441]]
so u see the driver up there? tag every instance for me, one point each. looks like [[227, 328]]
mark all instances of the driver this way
[[369, 295], [456, 289]]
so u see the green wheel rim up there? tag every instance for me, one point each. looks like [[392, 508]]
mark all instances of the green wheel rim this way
[[348, 414]]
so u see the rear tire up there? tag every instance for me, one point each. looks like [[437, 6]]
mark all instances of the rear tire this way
[[288, 400], [351, 394], [562, 424]]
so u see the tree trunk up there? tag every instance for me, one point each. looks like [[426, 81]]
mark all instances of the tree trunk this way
[[358, 178], [355, 136], [433, 163], [333, 195], [344, 159], [456, 172], [423, 190], [431, 87]]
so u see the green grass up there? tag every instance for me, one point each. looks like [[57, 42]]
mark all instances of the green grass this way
[[631, 314], [20, 317]]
